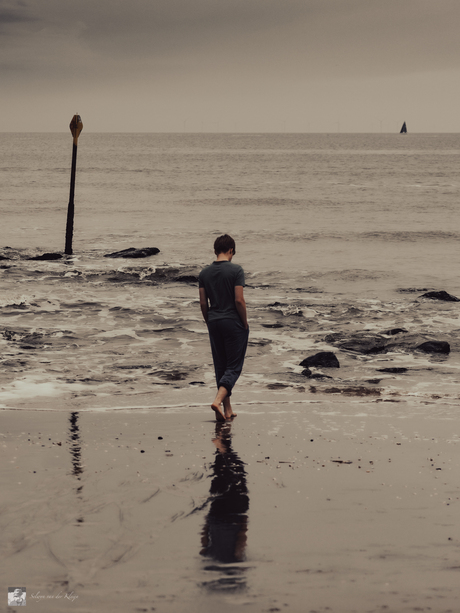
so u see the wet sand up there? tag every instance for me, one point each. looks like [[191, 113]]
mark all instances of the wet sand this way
[[316, 504]]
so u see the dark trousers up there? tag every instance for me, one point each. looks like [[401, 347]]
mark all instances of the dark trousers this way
[[229, 341]]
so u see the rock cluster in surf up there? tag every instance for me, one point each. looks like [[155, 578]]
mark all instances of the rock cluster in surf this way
[[369, 343]]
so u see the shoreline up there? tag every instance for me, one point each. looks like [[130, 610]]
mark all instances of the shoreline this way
[[351, 506]]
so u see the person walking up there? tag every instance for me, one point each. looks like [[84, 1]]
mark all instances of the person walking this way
[[224, 310]]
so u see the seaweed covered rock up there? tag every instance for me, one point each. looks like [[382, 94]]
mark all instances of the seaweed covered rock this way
[[131, 252], [324, 359], [441, 295]]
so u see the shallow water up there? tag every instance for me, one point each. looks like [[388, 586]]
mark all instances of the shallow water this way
[[338, 234]]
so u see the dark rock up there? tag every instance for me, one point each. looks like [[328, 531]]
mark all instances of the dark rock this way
[[394, 331], [277, 386], [3, 257], [392, 369], [434, 347], [325, 359], [187, 279], [134, 253], [442, 295], [47, 256], [306, 372], [272, 326], [365, 345]]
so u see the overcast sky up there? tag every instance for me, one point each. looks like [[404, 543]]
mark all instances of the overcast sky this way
[[230, 65]]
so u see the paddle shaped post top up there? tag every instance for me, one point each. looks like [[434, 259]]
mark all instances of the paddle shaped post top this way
[[76, 126]]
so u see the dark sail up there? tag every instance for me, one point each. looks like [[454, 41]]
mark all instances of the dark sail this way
[[403, 129]]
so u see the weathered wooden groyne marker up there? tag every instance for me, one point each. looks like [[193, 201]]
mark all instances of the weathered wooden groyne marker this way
[[76, 126]]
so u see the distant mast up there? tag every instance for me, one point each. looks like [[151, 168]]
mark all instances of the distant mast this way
[[403, 129]]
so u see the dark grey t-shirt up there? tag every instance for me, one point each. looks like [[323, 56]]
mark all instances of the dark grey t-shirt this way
[[219, 281]]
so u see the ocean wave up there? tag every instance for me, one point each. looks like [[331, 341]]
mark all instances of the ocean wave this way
[[375, 235], [411, 236], [22, 265], [148, 276]]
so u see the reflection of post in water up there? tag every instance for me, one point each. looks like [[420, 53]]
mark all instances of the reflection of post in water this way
[[225, 531], [75, 451]]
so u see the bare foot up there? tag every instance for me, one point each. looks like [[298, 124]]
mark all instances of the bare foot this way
[[221, 397], [218, 411], [228, 411]]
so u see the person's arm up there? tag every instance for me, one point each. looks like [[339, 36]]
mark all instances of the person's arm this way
[[240, 304], [204, 303]]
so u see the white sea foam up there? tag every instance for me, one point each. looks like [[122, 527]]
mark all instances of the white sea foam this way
[[15, 300], [33, 387]]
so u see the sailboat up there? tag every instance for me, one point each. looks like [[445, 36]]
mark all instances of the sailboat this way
[[403, 129]]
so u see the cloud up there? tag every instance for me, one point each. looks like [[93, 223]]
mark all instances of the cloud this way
[[291, 37], [232, 53], [12, 12]]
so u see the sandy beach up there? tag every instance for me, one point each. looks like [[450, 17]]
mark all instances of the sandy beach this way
[[329, 503]]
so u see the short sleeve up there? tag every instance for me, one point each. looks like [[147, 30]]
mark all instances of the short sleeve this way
[[239, 280]]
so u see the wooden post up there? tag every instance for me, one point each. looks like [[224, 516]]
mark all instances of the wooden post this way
[[76, 126]]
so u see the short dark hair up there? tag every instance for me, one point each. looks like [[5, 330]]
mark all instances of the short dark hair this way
[[224, 243]]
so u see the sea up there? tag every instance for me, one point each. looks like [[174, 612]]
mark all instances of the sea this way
[[340, 235]]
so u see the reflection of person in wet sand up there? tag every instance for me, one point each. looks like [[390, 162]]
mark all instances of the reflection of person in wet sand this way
[[224, 310], [225, 531]]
